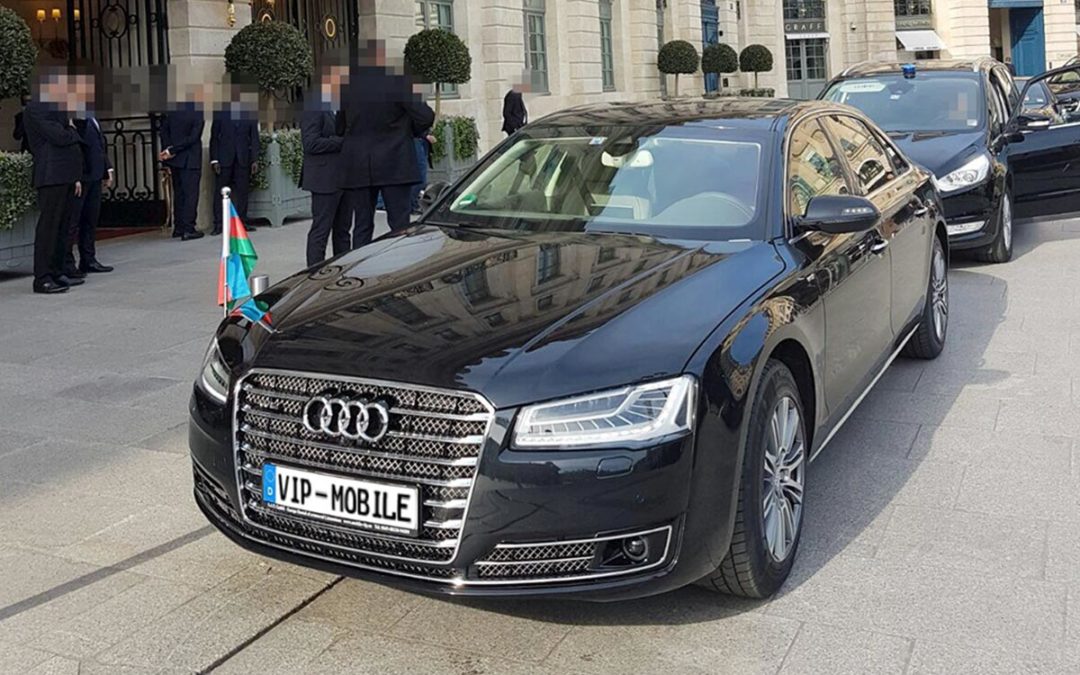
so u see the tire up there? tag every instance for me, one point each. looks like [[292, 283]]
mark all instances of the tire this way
[[929, 337], [756, 565], [1001, 250]]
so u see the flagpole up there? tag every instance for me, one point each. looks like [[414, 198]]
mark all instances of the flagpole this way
[[226, 232]]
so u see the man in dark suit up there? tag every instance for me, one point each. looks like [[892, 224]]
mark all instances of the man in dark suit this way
[[234, 154], [19, 132], [514, 113], [381, 115], [181, 140], [97, 174], [321, 172], [58, 167]]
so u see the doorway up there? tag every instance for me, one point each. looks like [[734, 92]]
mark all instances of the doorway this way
[[807, 67], [1028, 40]]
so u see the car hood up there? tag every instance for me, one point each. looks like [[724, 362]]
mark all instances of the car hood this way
[[518, 317], [940, 152]]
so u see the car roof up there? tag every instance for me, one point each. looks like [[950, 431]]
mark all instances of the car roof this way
[[737, 112], [888, 67]]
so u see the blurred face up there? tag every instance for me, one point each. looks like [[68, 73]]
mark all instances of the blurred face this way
[[331, 84], [81, 93]]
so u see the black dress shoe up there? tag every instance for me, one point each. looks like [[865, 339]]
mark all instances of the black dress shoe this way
[[189, 236], [177, 234], [216, 232], [74, 274], [96, 268], [250, 228], [65, 280], [49, 287]]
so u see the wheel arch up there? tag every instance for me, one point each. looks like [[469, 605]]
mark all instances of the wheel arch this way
[[793, 354]]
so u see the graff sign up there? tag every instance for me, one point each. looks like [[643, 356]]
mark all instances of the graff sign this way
[[804, 26]]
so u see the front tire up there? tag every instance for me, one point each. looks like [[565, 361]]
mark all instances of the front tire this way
[[768, 523], [1001, 250], [929, 337]]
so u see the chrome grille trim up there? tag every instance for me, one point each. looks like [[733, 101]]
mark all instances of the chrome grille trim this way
[[444, 466]]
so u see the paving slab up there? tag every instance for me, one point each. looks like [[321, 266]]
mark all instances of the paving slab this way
[[837, 651]]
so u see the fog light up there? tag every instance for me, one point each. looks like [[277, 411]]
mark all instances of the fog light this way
[[636, 549]]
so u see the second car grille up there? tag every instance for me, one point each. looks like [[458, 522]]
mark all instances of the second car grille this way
[[434, 440]]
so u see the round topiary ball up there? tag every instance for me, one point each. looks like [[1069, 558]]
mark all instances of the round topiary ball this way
[[438, 56], [755, 59], [678, 57], [18, 53], [274, 54], [719, 58]]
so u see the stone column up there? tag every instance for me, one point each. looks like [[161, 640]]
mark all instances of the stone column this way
[[641, 36], [199, 31], [1060, 22]]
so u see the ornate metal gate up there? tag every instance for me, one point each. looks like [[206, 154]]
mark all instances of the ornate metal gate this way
[[329, 25], [126, 36]]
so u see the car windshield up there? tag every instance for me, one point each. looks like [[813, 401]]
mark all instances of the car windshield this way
[[942, 101], [684, 182]]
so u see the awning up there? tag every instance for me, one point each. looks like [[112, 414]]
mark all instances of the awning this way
[[806, 36], [920, 40]]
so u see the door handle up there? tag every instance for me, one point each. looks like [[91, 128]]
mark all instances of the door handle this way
[[879, 245]]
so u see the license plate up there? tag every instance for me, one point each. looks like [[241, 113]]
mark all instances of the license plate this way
[[380, 507]]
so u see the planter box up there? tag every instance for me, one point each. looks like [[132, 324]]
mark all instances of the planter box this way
[[283, 199], [17, 244], [450, 168]]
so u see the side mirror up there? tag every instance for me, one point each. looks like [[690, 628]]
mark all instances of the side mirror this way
[[839, 214], [430, 194]]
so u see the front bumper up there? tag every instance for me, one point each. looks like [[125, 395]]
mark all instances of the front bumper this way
[[971, 216], [538, 523]]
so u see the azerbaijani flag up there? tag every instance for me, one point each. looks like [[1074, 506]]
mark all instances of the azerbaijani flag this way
[[238, 260]]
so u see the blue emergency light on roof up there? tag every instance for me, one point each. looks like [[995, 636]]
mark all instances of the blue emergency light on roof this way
[[908, 69]]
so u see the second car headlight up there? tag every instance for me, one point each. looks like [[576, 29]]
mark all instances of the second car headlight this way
[[214, 378], [642, 412], [972, 173]]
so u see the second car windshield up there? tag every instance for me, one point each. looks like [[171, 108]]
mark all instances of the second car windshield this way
[[679, 182], [942, 101]]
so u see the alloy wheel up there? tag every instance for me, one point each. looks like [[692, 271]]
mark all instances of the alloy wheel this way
[[939, 290], [1006, 222], [783, 479]]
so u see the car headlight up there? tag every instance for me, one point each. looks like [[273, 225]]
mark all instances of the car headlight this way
[[972, 173], [214, 378], [642, 412]]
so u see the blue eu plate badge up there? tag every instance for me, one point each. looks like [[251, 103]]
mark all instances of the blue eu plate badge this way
[[269, 479]]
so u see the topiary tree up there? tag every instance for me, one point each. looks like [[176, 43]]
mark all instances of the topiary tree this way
[[755, 59], [719, 58], [678, 57], [273, 54], [440, 57], [18, 54]]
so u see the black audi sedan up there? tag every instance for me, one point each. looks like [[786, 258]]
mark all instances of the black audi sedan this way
[[993, 158], [598, 366]]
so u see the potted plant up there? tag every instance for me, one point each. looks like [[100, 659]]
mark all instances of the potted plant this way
[[272, 54], [275, 187], [18, 209], [756, 59], [719, 59], [275, 56], [678, 57], [18, 202], [454, 152], [440, 57]]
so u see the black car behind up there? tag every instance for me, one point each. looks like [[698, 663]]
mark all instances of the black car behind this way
[[599, 366], [966, 123]]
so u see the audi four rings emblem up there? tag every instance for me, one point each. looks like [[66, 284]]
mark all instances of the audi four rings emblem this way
[[355, 419]]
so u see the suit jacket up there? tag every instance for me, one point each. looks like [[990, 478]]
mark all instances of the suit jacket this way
[[234, 139], [181, 130], [55, 144], [96, 162], [381, 117], [321, 171], [515, 115], [19, 133]]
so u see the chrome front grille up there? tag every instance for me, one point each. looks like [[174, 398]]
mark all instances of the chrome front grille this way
[[434, 440]]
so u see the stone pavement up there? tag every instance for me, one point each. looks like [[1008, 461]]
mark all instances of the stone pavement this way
[[943, 523]]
